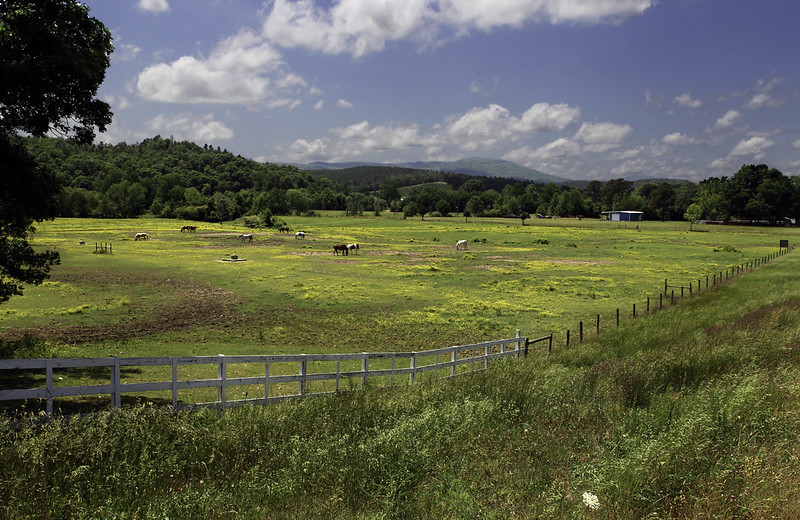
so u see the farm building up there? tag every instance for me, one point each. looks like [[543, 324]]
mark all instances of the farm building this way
[[624, 216]]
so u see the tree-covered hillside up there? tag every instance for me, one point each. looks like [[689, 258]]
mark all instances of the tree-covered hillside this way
[[171, 179]]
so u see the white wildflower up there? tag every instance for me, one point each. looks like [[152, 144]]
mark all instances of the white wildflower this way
[[591, 500]]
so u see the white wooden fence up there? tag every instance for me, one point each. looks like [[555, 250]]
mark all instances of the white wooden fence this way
[[382, 367]]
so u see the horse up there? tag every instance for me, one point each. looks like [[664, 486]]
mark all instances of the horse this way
[[82, 242], [284, 229], [190, 229], [353, 248], [461, 244], [340, 248], [246, 238], [140, 236], [300, 234]]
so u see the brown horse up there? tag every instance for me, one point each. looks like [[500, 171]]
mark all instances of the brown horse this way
[[284, 229], [340, 248], [190, 229]]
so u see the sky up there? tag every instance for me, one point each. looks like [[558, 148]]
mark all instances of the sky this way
[[581, 89]]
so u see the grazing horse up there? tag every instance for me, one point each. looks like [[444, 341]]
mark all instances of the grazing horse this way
[[246, 238], [190, 229], [284, 229], [300, 234], [140, 236], [353, 248], [461, 244], [340, 248]]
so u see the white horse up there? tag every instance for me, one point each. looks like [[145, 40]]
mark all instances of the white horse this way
[[300, 234], [461, 244], [140, 236], [353, 248]]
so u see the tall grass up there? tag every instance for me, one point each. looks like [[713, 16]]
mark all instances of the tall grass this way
[[689, 413]]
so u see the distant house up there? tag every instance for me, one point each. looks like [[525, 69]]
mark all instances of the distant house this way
[[624, 216]]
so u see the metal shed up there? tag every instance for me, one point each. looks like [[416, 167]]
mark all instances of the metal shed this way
[[624, 216]]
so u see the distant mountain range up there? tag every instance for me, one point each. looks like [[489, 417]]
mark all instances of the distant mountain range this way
[[476, 166]]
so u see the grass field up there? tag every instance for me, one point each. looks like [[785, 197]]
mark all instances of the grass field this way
[[689, 413], [407, 289]]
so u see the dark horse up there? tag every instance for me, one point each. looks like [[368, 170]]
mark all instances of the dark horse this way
[[190, 229], [340, 248], [284, 229]]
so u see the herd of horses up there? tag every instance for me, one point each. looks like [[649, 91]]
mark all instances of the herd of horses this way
[[338, 249]]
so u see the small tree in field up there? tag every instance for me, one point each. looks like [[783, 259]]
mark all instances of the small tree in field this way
[[693, 213], [524, 216]]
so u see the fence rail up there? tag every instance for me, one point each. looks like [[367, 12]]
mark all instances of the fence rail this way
[[332, 370]]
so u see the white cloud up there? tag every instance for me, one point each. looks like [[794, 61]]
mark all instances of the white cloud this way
[[343, 103], [154, 6], [357, 140], [483, 128], [319, 105], [796, 144], [125, 51], [243, 69], [686, 100], [753, 146], [360, 27], [602, 137], [678, 139], [727, 120], [559, 149], [201, 129], [762, 100]]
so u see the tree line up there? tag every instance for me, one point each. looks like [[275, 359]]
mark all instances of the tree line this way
[[179, 179]]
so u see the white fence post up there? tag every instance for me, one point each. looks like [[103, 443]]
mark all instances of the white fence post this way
[[174, 383], [266, 382], [222, 373], [453, 359], [116, 396], [519, 342], [301, 385], [49, 376]]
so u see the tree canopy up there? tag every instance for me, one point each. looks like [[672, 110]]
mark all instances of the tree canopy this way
[[53, 58]]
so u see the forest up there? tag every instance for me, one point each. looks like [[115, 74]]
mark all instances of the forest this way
[[180, 179]]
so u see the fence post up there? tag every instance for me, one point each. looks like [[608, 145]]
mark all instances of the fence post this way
[[706, 281], [665, 286], [174, 384], [365, 369], [519, 344], [487, 351], [48, 368], [598, 324], [391, 374], [116, 397], [648, 305], [454, 358], [266, 380], [550, 345], [222, 375], [617, 317], [672, 297], [581, 332], [660, 301], [634, 310], [567, 337], [303, 370], [413, 375]]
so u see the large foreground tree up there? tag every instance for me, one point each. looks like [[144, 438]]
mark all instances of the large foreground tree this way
[[53, 58]]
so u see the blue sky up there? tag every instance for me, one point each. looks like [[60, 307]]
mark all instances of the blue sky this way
[[582, 89]]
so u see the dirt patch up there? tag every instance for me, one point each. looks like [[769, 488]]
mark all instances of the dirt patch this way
[[753, 319], [579, 262], [197, 305]]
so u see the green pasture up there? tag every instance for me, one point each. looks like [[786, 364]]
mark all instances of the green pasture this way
[[179, 294], [407, 289]]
